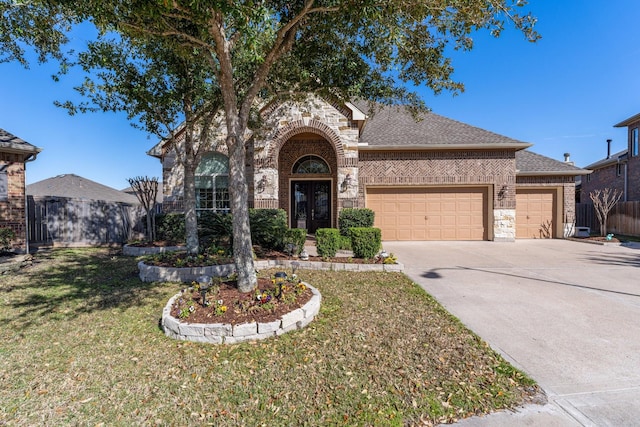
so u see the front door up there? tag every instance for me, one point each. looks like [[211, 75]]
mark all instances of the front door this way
[[311, 205]]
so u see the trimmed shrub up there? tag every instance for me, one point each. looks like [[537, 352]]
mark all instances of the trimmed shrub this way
[[327, 241], [170, 227], [6, 236], [365, 241], [268, 228], [215, 230], [345, 243], [295, 237], [354, 217]]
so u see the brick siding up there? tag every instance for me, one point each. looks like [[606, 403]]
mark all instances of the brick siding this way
[[12, 210]]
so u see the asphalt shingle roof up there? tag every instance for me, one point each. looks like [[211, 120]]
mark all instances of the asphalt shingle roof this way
[[76, 187], [530, 163], [395, 126], [11, 142], [608, 161]]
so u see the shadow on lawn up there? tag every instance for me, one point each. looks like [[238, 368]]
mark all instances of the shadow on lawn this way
[[64, 283]]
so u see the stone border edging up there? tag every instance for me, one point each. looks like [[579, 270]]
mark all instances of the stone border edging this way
[[149, 250], [225, 333], [152, 273]]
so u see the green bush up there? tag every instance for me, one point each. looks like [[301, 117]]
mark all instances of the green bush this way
[[215, 230], [345, 243], [365, 241], [327, 241], [6, 236], [295, 237], [170, 227], [354, 217], [268, 228]]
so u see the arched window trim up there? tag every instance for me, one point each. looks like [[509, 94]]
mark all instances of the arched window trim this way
[[308, 159]]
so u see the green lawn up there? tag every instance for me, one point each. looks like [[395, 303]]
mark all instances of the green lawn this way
[[80, 344]]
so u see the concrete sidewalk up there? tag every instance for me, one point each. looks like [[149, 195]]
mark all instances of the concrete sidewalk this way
[[567, 313]]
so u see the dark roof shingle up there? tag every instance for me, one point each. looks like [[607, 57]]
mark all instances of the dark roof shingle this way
[[76, 187], [11, 142], [395, 126], [530, 163]]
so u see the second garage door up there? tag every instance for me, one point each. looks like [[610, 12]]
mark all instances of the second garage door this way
[[535, 213], [430, 213]]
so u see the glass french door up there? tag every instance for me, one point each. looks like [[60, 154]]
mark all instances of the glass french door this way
[[311, 205]]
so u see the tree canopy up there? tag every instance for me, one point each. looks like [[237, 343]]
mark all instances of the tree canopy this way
[[174, 61]]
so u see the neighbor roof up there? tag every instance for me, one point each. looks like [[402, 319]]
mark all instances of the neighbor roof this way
[[629, 121], [612, 159], [13, 144], [394, 127], [76, 187], [530, 163]]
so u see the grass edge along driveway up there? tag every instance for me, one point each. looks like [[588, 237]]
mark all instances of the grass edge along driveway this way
[[80, 344]]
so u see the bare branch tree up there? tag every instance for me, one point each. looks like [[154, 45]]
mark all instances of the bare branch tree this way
[[603, 202], [146, 190]]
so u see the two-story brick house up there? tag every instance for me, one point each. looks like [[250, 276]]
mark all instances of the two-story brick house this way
[[430, 179], [619, 170], [14, 154]]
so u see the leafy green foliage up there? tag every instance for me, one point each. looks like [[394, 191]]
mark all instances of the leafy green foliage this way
[[296, 238], [354, 217], [365, 241], [215, 230], [7, 235], [268, 227], [327, 241], [170, 227]]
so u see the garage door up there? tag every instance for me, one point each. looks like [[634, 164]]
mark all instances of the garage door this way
[[535, 213], [430, 213]]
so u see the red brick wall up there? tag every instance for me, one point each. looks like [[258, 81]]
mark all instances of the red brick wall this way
[[606, 177], [447, 168], [290, 153], [12, 210]]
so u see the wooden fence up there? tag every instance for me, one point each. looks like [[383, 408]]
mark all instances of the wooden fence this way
[[80, 222], [623, 219]]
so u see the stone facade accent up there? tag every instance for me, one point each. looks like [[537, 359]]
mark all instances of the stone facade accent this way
[[504, 225]]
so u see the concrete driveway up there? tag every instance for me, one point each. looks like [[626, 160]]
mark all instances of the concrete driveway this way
[[567, 313]]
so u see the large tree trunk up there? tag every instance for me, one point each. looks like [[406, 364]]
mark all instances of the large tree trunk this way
[[190, 215], [238, 192]]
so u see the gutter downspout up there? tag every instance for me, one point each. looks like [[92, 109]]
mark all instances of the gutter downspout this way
[[31, 158]]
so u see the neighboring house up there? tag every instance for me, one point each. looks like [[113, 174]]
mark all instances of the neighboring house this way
[[14, 154], [431, 179], [69, 210], [620, 170]]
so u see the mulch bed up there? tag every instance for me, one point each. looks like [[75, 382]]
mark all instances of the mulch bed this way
[[241, 307]]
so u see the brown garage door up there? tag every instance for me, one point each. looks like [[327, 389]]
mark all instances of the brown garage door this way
[[535, 213], [430, 213]]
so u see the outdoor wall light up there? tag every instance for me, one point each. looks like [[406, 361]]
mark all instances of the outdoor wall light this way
[[503, 192], [346, 183], [262, 184]]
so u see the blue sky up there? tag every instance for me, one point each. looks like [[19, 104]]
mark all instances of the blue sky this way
[[562, 94]]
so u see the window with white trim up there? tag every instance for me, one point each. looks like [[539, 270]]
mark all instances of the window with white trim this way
[[212, 183], [634, 142]]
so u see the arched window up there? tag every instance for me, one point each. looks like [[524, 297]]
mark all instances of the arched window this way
[[212, 183], [311, 164]]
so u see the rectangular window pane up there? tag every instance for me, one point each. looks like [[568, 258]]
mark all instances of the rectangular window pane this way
[[222, 193], [634, 142]]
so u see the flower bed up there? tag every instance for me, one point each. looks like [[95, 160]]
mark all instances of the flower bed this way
[[227, 333]]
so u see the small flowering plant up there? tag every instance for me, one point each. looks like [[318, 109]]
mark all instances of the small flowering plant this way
[[221, 299]]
